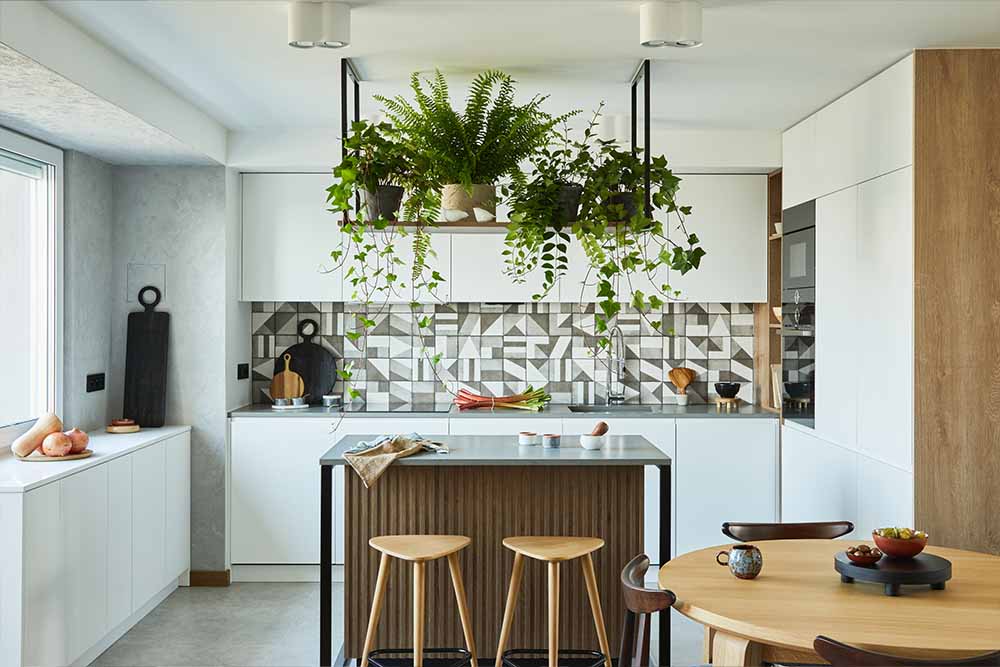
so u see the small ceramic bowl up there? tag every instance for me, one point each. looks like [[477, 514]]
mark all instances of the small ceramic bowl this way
[[282, 401], [864, 559], [529, 439], [299, 400], [551, 440], [331, 401], [727, 389], [896, 548], [591, 441]]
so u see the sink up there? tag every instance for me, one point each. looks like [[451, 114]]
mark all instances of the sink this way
[[610, 409]]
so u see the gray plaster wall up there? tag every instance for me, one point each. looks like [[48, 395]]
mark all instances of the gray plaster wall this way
[[87, 260], [177, 217]]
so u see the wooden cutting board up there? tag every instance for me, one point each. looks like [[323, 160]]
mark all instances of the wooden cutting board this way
[[145, 395], [287, 383], [315, 363]]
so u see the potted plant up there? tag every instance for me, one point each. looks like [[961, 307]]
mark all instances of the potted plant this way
[[376, 166], [470, 152]]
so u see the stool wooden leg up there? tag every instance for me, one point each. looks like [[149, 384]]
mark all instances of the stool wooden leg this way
[[463, 607], [419, 597], [508, 611], [380, 584], [553, 614], [595, 606]]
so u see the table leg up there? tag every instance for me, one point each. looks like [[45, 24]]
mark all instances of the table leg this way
[[325, 565], [736, 651], [706, 656], [663, 659], [892, 590], [846, 579]]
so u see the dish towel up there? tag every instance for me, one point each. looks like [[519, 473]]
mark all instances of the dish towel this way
[[371, 459]]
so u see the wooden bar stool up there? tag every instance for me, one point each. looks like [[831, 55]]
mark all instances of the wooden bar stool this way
[[419, 549], [554, 550]]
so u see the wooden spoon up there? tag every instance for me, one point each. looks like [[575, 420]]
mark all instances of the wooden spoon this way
[[681, 377]]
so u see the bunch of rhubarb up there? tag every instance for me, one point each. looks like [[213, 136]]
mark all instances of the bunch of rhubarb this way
[[530, 399]]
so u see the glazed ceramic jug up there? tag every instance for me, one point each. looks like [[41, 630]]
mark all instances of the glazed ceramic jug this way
[[744, 560]]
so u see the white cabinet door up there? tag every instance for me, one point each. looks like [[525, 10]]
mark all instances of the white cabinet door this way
[[885, 139], [439, 260], [660, 432], [148, 524], [119, 565], [85, 554], [726, 471], [579, 283], [886, 494], [510, 426], [799, 175], [839, 127], [885, 316], [818, 479], [477, 272], [288, 235], [45, 621], [177, 540], [729, 216], [842, 331]]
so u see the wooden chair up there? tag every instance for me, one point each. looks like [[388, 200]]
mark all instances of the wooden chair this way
[[842, 655], [554, 551], [640, 605], [758, 532], [419, 550]]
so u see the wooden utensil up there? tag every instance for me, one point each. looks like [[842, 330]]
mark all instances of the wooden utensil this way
[[681, 377], [287, 383], [41, 458]]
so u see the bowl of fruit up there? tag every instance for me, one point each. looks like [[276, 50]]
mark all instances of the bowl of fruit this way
[[900, 542], [864, 554]]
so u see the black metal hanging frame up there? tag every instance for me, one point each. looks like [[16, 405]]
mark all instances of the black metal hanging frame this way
[[642, 76]]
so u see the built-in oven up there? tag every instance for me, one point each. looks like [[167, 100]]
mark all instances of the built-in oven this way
[[798, 313]]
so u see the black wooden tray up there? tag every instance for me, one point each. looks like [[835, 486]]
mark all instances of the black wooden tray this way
[[921, 570]]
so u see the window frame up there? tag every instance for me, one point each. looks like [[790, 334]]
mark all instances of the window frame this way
[[52, 159]]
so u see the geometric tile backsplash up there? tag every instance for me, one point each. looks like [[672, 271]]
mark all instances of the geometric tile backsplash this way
[[501, 348]]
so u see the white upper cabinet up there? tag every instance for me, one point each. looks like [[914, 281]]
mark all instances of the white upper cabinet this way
[[439, 259], [729, 216], [288, 235], [579, 283], [798, 163], [477, 267], [884, 313], [837, 320]]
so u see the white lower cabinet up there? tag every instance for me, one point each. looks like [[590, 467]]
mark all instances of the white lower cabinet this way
[[85, 546], [177, 509], [119, 565], [818, 479], [727, 470], [148, 524], [45, 624], [504, 425]]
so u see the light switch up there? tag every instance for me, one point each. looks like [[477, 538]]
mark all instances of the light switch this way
[[140, 275]]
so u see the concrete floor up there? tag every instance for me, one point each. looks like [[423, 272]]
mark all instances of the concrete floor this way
[[266, 625]]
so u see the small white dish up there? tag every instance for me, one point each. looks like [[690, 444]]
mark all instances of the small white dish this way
[[682, 399], [528, 439], [592, 441]]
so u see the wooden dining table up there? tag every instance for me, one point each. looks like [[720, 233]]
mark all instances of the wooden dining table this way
[[798, 595]]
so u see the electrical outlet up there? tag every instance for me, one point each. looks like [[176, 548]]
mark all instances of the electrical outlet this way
[[95, 382], [242, 371]]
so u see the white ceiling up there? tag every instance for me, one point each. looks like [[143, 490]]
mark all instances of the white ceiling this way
[[764, 65]]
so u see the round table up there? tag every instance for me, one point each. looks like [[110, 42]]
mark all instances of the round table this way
[[798, 595]]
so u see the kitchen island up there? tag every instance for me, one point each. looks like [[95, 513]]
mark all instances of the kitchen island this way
[[489, 488]]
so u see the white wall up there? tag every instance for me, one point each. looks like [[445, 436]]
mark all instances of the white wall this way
[[86, 298]]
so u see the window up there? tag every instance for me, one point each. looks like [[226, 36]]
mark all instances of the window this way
[[30, 278]]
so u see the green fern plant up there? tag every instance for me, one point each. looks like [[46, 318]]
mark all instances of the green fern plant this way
[[479, 146]]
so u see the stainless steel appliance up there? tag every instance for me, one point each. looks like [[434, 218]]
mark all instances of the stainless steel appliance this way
[[798, 312]]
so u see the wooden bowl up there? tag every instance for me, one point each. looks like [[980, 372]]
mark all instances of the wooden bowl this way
[[897, 548], [862, 559]]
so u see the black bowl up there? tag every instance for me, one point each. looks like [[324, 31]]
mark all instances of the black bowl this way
[[727, 389], [799, 389]]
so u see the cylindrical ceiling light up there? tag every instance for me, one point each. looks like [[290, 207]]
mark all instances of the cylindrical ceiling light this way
[[305, 24], [670, 23], [336, 25]]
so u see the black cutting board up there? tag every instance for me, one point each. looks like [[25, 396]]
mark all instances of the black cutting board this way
[[315, 363], [146, 363]]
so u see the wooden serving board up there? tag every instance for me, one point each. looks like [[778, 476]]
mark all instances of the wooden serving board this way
[[923, 569], [314, 363], [145, 397], [287, 383], [131, 428], [41, 458]]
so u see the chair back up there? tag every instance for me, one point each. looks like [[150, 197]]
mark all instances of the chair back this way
[[640, 605], [842, 655], [758, 532]]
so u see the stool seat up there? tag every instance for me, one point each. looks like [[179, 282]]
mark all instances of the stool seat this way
[[419, 548], [553, 549]]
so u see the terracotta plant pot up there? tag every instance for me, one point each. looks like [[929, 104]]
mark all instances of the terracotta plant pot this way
[[457, 205], [384, 203]]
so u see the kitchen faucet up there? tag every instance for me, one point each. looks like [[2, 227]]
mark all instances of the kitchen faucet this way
[[616, 367]]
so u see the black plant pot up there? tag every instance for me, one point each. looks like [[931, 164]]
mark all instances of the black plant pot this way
[[384, 204], [567, 204], [625, 199]]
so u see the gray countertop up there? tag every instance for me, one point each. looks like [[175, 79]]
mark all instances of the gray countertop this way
[[552, 411], [502, 450]]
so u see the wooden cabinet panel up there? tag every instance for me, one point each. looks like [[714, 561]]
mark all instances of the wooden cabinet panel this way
[[477, 272], [885, 316], [148, 524], [119, 565], [726, 471], [288, 235], [177, 455], [818, 479], [837, 322], [85, 554]]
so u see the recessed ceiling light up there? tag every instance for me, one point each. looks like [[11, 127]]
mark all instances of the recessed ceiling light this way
[[305, 24], [674, 23], [336, 25]]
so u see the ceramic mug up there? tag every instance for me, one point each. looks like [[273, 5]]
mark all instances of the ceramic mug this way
[[744, 560]]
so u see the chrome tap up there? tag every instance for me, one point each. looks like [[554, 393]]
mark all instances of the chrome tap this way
[[616, 367]]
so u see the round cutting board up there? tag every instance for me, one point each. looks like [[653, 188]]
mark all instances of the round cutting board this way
[[315, 363], [41, 458]]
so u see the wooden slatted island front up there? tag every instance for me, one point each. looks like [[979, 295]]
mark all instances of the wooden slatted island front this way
[[489, 488]]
